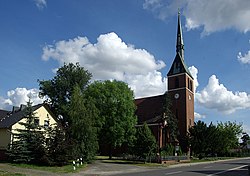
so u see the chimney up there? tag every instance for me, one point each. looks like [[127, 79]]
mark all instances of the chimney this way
[[15, 109], [22, 107]]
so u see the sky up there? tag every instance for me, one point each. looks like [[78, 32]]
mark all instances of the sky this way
[[132, 41]]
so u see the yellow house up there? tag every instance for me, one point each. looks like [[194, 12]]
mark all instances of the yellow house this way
[[9, 122]]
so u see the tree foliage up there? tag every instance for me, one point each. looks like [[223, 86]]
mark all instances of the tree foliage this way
[[116, 120], [59, 89], [145, 144], [28, 141], [172, 122], [214, 139], [83, 133]]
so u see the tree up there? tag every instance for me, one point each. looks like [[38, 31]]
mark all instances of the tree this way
[[172, 122], [145, 145], [59, 89], [116, 120], [245, 138], [214, 139], [84, 135], [28, 144], [230, 132], [198, 135], [56, 145]]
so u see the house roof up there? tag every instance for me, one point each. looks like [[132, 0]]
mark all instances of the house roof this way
[[150, 109], [13, 117], [3, 113]]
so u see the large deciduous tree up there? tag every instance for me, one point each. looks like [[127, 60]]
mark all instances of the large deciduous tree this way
[[59, 89], [116, 120], [214, 139]]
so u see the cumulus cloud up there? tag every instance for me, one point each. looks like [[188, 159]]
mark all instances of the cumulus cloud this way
[[213, 15], [40, 4], [245, 59], [216, 96], [111, 58], [20, 96], [194, 72], [199, 116]]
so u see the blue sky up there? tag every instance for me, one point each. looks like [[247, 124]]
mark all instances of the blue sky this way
[[132, 41]]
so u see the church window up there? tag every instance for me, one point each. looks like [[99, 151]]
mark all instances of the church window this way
[[177, 82], [191, 85]]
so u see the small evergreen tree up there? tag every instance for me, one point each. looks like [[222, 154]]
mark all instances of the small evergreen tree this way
[[28, 142], [145, 144], [56, 145]]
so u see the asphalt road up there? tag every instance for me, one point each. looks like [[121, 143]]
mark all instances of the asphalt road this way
[[237, 167]]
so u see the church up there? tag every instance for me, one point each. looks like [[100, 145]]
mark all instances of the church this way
[[181, 95]]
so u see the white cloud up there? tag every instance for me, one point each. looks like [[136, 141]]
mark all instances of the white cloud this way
[[213, 15], [40, 4], [216, 96], [20, 96], [245, 59], [199, 116], [194, 72], [111, 58]]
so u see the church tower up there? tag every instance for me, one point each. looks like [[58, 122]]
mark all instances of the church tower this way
[[181, 89]]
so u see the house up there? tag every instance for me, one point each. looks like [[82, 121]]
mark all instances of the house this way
[[181, 94], [9, 122]]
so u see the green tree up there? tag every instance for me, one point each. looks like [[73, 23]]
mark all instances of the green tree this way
[[230, 132], [198, 134], [84, 134], [28, 144], [145, 145], [213, 139], [245, 138], [172, 122], [59, 89], [56, 145], [116, 120]]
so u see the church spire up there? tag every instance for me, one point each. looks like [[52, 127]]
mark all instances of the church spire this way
[[179, 41]]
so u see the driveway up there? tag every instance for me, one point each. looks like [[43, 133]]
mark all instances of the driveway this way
[[108, 168]]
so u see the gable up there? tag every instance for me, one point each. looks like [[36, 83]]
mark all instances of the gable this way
[[12, 119], [178, 67]]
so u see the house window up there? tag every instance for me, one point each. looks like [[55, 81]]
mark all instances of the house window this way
[[46, 123]]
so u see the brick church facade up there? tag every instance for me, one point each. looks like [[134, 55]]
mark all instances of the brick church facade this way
[[181, 94]]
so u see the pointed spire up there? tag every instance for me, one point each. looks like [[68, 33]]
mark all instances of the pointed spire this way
[[179, 41]]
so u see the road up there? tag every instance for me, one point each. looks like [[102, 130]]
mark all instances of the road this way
[[237, 167]]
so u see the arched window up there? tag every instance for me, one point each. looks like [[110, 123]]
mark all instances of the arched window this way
[[191, 85]]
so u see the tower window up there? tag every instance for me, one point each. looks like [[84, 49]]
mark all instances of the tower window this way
[[177, 82], [191, 85]]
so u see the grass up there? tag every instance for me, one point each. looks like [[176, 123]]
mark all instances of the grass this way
[[5, 173], [54, 169]]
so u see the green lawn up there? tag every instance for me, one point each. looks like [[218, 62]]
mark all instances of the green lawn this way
[[54, 169], [4, 173]]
